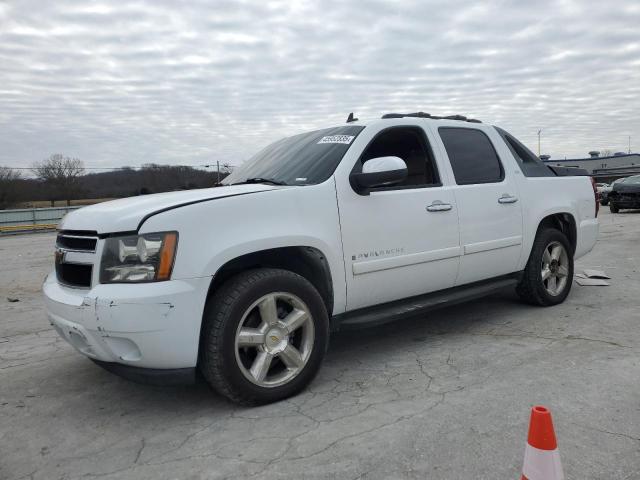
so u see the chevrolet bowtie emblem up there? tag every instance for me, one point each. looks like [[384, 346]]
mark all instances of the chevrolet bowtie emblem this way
[[274, 338]]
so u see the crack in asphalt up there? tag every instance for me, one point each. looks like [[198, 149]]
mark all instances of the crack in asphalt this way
[[542, 337], [617, 434]]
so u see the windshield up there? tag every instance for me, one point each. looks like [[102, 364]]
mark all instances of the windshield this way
[[634, 180], [304, 159]]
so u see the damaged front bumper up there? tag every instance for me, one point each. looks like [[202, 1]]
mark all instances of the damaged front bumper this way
[[142, 326], [625, 199]]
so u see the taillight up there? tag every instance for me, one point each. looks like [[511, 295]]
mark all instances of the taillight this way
[[595, 194]]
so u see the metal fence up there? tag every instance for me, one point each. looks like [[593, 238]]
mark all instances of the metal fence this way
[[31, 219]]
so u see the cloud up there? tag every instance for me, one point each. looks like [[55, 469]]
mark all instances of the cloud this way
[[194, 82]]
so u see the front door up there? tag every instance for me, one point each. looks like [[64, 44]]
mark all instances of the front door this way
[[403, 240]]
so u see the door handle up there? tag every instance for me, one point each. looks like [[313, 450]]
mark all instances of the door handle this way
[[439, 206], [506, 198]]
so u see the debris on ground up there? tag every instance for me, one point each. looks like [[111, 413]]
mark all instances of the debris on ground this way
[[12, 299], [595, 274], [596, 278], [592, 282]]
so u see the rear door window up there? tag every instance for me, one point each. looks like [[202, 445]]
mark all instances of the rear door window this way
[[472, 156]]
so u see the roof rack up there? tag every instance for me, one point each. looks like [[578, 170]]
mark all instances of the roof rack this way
[[461, 118]]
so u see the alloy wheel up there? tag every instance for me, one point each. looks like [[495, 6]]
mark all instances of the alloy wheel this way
[[555, 268], [274, 339]]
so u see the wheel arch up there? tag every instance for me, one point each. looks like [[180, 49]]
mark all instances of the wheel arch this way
[[563, 221], [308, 262]]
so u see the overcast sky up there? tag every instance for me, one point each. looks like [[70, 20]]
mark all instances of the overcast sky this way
[[194, 82]]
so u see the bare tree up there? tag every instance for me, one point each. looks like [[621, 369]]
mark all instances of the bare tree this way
[[61, 176], [606, 153], [8, 186]]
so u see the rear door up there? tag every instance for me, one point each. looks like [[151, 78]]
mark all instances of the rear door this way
[[489, 207]]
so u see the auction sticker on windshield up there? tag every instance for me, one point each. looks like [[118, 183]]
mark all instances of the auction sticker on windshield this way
[[337, 139]]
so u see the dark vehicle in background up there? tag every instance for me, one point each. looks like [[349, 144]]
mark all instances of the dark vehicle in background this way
[[625, 194], [605, 191]]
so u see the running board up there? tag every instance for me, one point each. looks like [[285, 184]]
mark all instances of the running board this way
[[396, 310]]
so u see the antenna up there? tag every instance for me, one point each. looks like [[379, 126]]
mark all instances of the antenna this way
[[539, 133], [351, 118]]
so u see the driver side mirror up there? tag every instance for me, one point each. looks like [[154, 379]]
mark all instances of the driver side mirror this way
[[379, 172]]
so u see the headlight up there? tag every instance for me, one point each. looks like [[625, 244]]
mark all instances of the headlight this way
[[138, 258]]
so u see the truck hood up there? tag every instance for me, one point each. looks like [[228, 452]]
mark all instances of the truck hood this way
[[128, 214]]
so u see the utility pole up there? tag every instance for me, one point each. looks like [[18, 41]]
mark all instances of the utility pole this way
[[218, 170], [629, 143], [539, 132]]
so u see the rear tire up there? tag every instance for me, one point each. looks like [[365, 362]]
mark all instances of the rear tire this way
[[548, 276], [265, 333], [613, 208], [604, 203]]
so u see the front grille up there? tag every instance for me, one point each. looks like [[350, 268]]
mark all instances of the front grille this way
[[74, 241], [75, 257]]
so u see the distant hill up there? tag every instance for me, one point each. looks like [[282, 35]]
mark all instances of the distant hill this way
[[124, 182], [153, 179]]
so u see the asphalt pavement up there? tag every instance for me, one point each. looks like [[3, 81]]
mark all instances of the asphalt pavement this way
[[442, 396]]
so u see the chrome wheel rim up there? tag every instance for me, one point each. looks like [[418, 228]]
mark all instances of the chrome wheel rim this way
[[274, 339], [555, 268]]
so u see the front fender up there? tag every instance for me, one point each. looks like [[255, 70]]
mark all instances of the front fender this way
[[214, 233]]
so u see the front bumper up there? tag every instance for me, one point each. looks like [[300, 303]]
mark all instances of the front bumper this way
[[151, 376], [629, 195], [626, 201], [151, 325]]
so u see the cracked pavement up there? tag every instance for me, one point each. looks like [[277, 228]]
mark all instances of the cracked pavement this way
[[441, 396]]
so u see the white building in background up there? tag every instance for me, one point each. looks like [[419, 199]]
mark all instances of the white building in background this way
[[597, 164]]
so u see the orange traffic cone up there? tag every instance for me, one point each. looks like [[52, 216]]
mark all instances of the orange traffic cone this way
[[541, 457]]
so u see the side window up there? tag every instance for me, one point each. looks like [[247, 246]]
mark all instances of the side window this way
[[517, 152], [529, 163], [472, 156], [410, 144]]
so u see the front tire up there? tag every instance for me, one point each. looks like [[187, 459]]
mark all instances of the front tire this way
[[613, 208], [548, 275], [265, 333]]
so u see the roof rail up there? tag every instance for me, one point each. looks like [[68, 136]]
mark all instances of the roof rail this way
[[401, 115], [461, 118]]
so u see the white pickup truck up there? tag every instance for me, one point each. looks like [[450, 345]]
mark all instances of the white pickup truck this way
[[348, 226]]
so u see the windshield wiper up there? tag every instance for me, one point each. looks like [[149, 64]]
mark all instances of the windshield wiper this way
[[272, 181]]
